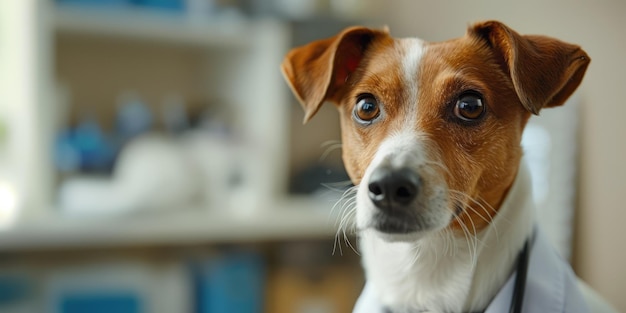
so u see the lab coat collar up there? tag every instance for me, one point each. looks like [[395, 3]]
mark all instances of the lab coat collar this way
[[551, 285]]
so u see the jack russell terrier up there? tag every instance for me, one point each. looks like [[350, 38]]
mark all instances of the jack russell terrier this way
[[431, 139]]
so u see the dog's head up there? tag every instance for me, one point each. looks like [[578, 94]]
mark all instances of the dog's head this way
[[431, 131]]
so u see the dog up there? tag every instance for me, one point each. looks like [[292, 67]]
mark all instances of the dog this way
[[431, 140]]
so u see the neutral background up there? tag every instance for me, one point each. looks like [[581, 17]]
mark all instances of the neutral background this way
[[599, 27]]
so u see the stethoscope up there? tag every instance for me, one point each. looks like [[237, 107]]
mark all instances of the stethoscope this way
[[520, 280]]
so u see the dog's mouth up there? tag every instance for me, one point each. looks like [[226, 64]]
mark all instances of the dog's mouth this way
[[396, 223]]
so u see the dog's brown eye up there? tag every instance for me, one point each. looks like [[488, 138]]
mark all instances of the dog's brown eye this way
[[469, 107], [367, 108]]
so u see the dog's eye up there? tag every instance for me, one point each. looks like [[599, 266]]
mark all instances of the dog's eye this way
[[469, 107], [366, 108]]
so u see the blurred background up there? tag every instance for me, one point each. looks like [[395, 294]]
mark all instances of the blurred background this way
[[153, 160]]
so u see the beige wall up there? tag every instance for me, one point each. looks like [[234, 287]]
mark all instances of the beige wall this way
[[600, 27]]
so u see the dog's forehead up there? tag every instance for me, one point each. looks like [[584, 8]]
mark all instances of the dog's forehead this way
[[402, 55], [412, 60], [414, 77], [417, 55], [415, 66]]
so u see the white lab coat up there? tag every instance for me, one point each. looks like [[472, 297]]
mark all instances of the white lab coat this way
[[551, 287]]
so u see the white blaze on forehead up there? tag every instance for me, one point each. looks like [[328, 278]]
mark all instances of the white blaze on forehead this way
[[412, 52], [413, 49]]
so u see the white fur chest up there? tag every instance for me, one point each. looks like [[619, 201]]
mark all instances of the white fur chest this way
[[423, 276]]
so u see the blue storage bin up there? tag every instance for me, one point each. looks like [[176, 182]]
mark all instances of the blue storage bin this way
[[100, 302], [95, 3], [13, 289], [233, 282], [166, 5]]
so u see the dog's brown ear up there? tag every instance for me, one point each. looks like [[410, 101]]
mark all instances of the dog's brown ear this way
[[544, 71], [317, 70]]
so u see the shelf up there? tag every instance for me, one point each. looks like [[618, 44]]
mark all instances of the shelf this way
[[141, 25], [291, 219]]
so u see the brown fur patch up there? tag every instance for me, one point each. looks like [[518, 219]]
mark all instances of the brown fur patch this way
[[481, 158]]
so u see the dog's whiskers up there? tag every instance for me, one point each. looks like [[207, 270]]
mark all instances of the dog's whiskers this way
[[471, 242], [347, 198], [345, 217], [447, 240], [340, 186], [463, 197], [330, 145], [416, 255], [488, 206], [495, 228], [438, 164], [350, 217]]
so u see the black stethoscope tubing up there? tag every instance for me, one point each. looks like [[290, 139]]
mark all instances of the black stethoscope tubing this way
[[520, 280]]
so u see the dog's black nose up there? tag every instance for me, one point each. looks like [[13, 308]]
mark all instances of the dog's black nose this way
[[393, 189]]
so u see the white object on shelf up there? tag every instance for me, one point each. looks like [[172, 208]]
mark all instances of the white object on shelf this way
[[90, 196], [214, 159], [153, 172]]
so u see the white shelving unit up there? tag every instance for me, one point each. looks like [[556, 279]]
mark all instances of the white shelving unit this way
[[151, 26], [290, 220], [246, 56]]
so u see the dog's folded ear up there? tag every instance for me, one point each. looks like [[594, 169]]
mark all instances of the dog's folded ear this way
[[317, 70], [544, 71]]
